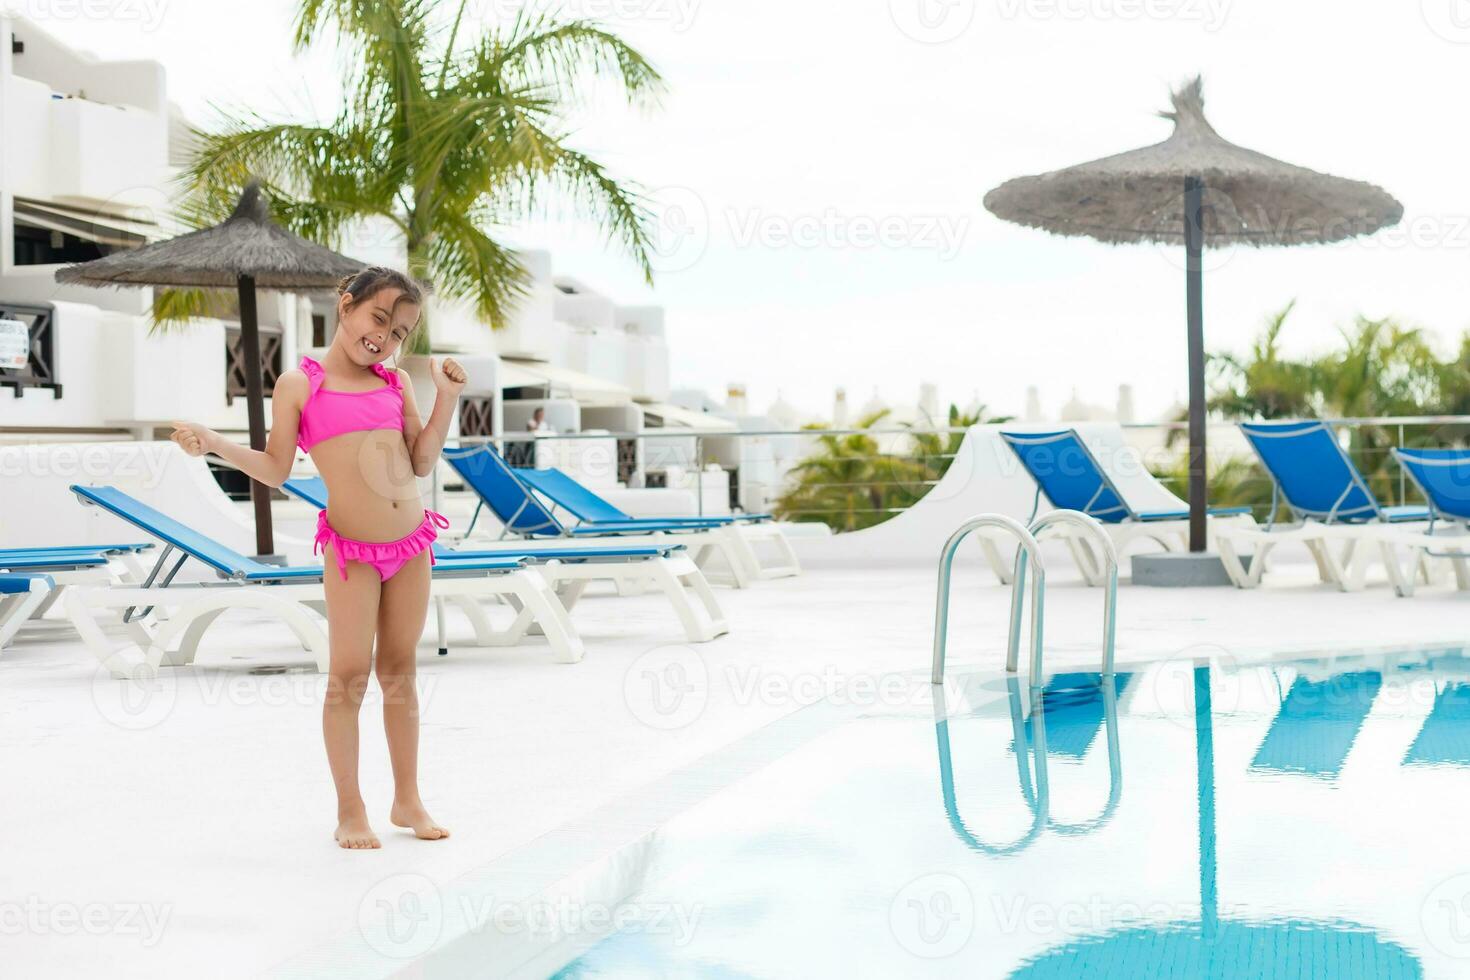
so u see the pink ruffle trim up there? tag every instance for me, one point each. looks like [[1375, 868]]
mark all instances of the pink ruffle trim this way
[[378, 553]]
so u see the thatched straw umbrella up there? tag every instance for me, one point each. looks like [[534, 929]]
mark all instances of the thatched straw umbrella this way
[[244, 252], [1198, 190]]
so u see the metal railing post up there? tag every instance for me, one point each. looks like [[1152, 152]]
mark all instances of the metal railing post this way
[[1403, 488]]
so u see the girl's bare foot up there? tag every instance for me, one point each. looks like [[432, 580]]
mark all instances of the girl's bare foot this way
[[354, 833], [416, 818]]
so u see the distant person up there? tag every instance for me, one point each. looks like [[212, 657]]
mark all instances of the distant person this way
[[522, 452]]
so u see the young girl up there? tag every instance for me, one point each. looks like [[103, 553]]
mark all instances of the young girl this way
[[359, 422]]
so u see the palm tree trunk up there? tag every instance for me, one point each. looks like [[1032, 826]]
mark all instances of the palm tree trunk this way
[[420, 341]]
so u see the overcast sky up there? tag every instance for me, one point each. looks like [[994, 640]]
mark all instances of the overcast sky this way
[[820, 166]]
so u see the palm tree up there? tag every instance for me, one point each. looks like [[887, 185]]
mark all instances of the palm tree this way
[[1263, 384], [1382, 368], [444, 141], [849, 482], [932, 452]]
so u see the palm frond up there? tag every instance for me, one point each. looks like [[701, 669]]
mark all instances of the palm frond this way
[[173, 308], [468, 264], [447, 141], [539, 49]]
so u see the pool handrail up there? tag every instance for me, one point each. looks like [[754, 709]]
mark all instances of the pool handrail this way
[[1028, 546], [1029, 552], [1092, 526]]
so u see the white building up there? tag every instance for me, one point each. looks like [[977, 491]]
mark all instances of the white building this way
[[88, 151]]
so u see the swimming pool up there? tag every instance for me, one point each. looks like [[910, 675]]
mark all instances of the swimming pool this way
[[1301, 818]]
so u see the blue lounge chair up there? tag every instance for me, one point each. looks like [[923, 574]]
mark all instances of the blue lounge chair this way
[[1316, 479], [288, 592], [22, 561], [571, 496], [1068, 476], [589, 509], [572, 566], [1443, 477], [21, 596], [72, 557], [522, 514], [108, 550], [1329, 501], [69, 565]]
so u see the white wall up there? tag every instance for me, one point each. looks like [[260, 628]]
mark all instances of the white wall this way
[[533, 330], [600, 353], [37, 508], [115, 374], [104, 141], [647, 352], [71, 72], [86, 163]]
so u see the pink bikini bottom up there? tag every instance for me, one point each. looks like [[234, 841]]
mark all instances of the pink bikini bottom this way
[[386, 556]]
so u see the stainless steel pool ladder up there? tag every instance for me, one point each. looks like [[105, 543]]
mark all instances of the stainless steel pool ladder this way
[[1027, 552]]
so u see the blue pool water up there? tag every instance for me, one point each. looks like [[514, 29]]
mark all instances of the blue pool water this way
[[1294, 819]]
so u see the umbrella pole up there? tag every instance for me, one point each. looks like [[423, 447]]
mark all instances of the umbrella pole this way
[[1194, 305], [255, 409]]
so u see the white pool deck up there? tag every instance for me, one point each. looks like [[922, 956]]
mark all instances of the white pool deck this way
[[186, 832]]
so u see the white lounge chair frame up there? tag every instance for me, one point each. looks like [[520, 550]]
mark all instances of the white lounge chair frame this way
[[677, 576], [301, 606], [17, 607]]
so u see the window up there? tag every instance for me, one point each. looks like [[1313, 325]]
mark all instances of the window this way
[[42, 246]]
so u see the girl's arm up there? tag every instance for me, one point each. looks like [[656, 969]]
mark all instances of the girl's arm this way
[[272, 465], [426, 439]]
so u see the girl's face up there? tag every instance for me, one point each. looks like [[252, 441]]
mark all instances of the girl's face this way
[[371, 329]]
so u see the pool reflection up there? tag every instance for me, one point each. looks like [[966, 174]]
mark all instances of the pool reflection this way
[[1073, 707]]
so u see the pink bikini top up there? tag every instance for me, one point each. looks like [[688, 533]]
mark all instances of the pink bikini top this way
[[329, 413]]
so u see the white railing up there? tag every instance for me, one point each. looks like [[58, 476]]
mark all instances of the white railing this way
[[878, 487]]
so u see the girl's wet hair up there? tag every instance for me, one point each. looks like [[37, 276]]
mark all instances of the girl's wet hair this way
[[366, 282]]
